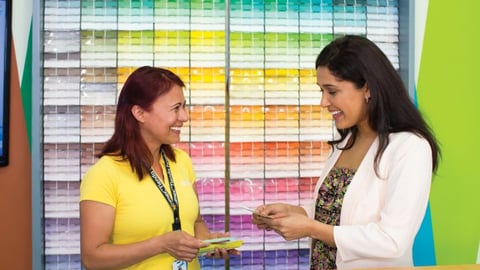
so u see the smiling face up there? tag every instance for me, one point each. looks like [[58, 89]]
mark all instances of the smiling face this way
[[161, 123], [343, 99]]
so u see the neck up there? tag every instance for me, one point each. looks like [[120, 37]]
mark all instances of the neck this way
[[156, 164], [155, 152], [365, 132], [366, 135]]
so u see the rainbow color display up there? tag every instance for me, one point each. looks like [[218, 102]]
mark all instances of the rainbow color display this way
[[277, 131]]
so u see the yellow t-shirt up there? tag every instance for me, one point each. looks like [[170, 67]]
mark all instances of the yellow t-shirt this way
[[141, 211]]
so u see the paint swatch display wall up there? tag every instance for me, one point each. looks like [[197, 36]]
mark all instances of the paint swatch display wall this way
[[277, 131]]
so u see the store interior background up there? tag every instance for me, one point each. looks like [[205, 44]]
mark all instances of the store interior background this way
[[446, 58]]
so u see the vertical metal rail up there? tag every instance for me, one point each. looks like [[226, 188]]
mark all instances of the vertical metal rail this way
[[38, 215], [227, 121]]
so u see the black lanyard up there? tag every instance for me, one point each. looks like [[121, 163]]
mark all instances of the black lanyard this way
[[173, 202]]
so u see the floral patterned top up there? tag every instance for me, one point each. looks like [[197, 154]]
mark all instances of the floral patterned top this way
[[327, 210]]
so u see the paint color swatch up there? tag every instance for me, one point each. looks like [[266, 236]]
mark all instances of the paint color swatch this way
[[277, 132]]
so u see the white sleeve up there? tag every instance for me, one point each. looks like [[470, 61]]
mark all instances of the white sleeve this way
[[409, 168]]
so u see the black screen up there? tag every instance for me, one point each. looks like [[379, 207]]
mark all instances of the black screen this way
[[5, 36]]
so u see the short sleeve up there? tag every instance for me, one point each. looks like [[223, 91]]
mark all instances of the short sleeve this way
[[98, 183]]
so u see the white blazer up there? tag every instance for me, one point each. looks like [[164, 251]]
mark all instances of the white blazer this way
[[381, 216]]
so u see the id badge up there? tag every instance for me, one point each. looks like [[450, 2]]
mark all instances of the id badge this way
[[179, 265]]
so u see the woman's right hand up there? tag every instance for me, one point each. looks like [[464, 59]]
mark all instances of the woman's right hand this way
[[275, 210], [264, 213], [181, 245]]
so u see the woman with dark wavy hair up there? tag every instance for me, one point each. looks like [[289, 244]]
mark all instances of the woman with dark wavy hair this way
[[373, 192], [138, 203]]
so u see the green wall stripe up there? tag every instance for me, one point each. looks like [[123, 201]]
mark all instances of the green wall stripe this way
[[26, 88], [448, 94]]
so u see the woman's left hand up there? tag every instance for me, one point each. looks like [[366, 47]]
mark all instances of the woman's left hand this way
[[291, 226], [221, 253]]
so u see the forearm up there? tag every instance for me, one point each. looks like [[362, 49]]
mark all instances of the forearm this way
[[321, 231], [110, 256], [201, 229]]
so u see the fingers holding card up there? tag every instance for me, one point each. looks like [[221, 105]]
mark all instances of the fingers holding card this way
[[253, 211]]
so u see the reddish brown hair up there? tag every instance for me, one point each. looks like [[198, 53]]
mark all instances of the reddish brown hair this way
[[142, 88]]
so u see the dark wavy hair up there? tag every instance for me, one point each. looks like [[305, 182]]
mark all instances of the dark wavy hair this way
[[390, 109], [142, 88]]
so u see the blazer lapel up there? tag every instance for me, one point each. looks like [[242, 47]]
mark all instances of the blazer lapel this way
[[362, 178]]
